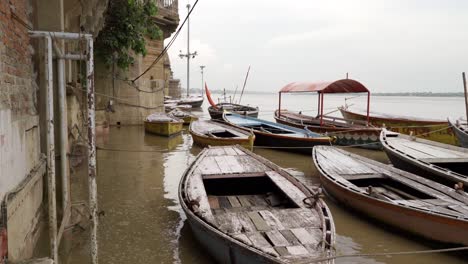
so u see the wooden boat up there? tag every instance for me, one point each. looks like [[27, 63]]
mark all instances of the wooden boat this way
[[210, 133], [393, 196], [187, 117], [172, 106], [216, 110], [445, 163], [243, 208], [347, 134], [273, 135], [193, 101], [431, 129], [460, 128], [163, 124]]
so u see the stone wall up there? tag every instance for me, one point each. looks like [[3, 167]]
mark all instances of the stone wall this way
[[21, 165]]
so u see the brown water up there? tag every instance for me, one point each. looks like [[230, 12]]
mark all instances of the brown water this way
[[138, 177]]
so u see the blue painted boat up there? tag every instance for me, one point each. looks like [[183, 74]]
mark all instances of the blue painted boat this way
[[243, 208], [273, 135]]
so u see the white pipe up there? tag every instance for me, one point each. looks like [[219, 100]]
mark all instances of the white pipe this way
[[63, 133], [60, 35], [51, 153], [92, 185]]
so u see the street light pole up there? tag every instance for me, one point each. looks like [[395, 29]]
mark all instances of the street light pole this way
[[188, 55], [202, 80]]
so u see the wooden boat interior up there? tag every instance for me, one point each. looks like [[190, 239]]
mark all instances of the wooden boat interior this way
[[386, 183], [216, 130], [442, 155], [252, 203], [268, 127], [328, 121], [391, 117]]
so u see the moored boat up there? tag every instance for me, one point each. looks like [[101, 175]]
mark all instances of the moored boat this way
[[210, 133], [243, 208], [431, 129], [442, 162], [273, 135], [460, 128], [216, 110], [163, 124], [392, 196], [187, 117], [346, 134]]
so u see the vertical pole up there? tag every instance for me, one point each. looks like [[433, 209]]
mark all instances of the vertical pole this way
[[368, 106], [188, 49], [63, 132], [279, 105], [92, 185], [52, 203], [202, 80], [321, 110], [318, 107], [466, 94]]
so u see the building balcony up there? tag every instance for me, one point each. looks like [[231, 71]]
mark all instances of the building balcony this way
[[168, 15]]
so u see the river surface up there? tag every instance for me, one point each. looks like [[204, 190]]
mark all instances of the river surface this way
[[138, 177]]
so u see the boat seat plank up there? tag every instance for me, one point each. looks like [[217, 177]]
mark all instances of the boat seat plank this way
[[247, 224], [434, 150], [222, 163], [297, 250], [292, 239], [257, 200], [283, 251], [276, 238], [230, 151], [271, 220], [250, 164], [209, 166], [224, 202], [213, 200], [197, 194], [303, 236], [258, 221], [234, 164], [244, 200], [258, 240], [351, 177], [233, 201], [401, 147], [233, 175], [229, 223], [287, 187], [445, 160]]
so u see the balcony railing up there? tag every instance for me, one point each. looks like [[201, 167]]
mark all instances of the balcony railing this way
[[168, 5]]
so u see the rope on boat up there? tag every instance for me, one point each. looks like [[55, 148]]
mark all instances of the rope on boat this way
[[431, 251]]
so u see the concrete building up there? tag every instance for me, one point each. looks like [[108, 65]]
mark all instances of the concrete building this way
[[23, 195]]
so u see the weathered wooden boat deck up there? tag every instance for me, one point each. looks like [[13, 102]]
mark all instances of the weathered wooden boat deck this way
[[422, 150], [288, 231], [358, 175], [211, 128]]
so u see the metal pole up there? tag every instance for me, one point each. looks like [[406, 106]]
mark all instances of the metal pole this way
[[63, 133], [466, 94], [92, 186], [321, 110], [368, 106], [202, 80], [245, 82], [188, 50], [318, 107], [52, 203], [279, 105]]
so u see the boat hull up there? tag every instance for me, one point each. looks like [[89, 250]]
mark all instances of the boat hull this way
[[194, 104], [461, 135], [163, 128], [217, 114], [364, 138], [189, 119], [299, 145], [222, 249], [427, 225], [204, 141], [432, 130]]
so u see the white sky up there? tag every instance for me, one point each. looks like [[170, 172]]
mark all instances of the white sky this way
[[389, 45]]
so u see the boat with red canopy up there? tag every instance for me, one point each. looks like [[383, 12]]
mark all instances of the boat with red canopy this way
[[346, 132]]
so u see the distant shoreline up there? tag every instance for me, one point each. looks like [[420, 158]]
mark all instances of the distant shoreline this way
[[413, 94]]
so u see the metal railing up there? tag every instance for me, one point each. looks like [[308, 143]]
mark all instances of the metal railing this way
[[170, 5]]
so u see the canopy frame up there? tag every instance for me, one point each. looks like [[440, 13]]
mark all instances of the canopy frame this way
[[323, 88]]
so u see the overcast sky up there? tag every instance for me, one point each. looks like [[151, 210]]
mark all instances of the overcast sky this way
[[389, 45]]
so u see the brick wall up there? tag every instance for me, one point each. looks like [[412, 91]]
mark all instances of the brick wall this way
[[20, 157]]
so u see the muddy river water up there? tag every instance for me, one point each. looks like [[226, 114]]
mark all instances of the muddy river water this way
[[138, 177]]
